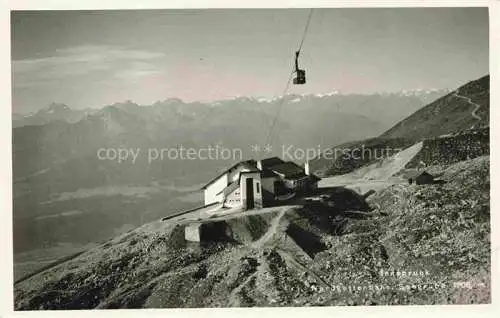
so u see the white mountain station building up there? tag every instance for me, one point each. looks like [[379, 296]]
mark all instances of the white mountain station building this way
[[256, 184]]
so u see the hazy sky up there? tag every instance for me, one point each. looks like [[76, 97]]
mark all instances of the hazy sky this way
[[90, 59]]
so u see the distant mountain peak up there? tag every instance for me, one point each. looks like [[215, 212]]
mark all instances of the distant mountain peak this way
[[126, 103], [55, 108], [244, 98], [331, 93], [421, 91], [172, 100]]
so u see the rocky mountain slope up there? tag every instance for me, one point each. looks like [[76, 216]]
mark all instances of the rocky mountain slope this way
[[445, 149], [320, 252], [336, 247], [464, 108], [455, 125]]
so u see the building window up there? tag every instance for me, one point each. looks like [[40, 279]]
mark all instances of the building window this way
[[257, 187]]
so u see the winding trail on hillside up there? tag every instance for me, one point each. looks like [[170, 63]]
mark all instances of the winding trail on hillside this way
[[272, 229], [291, 259], [469, 100]]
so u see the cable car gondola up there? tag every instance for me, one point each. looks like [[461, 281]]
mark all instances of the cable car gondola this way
[[300, 75]]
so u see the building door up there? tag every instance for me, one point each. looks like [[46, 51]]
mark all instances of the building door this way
[[250, 201], [277, 187]]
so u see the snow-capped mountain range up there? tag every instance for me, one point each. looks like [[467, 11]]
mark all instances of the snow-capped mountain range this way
[[404, 101]]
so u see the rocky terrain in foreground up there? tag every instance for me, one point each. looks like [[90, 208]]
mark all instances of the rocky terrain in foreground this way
[[333, 249]]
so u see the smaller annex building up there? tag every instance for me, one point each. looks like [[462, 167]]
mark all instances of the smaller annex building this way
[[421, 177]]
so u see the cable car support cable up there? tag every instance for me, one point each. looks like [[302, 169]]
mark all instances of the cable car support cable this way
[[287, 86]]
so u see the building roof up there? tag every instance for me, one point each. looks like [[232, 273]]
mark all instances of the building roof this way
[[270, 168], [415, 174], [255, 170], [250, 164], [289, 169], [230, 188], [314, 178], [269, 162], [235, 184], [267, 173]]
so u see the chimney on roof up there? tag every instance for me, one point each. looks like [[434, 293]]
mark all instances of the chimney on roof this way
[[259, 165], [306, 167]]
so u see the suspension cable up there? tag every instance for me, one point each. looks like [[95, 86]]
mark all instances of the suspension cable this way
[[287, 86]]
